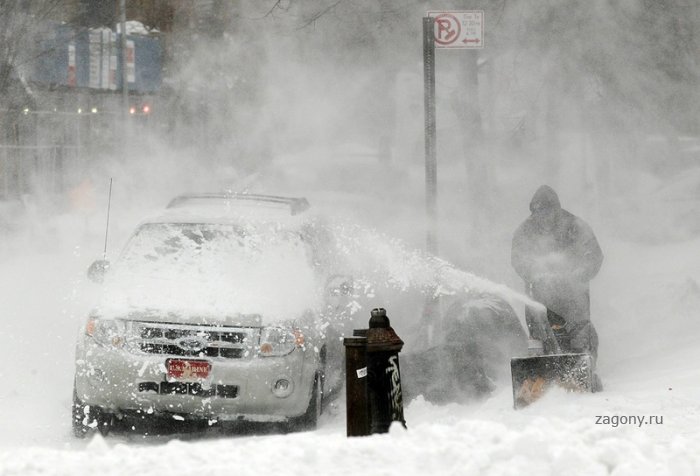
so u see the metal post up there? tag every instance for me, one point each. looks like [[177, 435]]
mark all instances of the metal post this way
[[125, 75], [78, 138], [430, 134]]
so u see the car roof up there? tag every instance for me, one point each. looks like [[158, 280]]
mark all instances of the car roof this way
[[294, 205], [225, 208]]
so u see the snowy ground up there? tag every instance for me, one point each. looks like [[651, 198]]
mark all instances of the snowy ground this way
[[646, 302]]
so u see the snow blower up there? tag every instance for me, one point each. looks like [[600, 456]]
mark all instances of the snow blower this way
[[548, 363]]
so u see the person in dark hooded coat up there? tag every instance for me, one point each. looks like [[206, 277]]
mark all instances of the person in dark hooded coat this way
[[557, 254]]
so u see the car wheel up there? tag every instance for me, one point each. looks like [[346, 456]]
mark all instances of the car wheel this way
[[309, 419], [89, 418]]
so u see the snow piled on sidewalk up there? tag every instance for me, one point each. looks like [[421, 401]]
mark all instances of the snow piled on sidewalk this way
[[557, 436]]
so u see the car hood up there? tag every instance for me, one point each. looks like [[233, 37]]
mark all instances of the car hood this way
[[182, 317], [231, 300]]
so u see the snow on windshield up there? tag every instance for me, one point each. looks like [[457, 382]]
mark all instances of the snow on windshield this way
[[217, 269]]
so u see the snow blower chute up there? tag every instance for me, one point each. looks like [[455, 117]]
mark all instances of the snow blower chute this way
[[547, 365]]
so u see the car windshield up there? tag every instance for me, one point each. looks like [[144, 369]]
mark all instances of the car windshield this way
[[252, 268], [204, 247]]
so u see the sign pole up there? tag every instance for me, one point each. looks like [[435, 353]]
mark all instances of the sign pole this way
[[431, 309], [444, 29], [126, 123], [430, 134]]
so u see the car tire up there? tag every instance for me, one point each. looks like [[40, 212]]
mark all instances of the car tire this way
[[309, 420], [87, 419]]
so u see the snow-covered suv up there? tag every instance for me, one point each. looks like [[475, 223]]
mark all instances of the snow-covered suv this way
[[215, 310]]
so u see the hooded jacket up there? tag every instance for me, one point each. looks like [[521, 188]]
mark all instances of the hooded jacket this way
[[556, 254]]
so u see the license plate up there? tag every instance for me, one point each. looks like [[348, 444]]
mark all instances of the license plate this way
[[187, 370]]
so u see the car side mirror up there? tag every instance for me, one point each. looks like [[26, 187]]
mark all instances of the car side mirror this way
[[97, 270]]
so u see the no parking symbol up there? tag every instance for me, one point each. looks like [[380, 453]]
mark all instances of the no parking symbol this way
[[459, 29]]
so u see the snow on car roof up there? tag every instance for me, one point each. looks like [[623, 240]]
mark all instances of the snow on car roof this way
[[233, 208], [293, 205]]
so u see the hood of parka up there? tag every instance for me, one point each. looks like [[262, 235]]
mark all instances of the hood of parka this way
[[545, 199]]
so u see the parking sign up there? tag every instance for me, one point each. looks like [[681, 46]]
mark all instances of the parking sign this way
[[459, 29]]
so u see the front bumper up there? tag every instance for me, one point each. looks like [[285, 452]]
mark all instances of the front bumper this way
[[236, 389]]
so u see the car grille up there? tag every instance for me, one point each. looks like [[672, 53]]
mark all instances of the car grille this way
[[172, 339], [184, 388]]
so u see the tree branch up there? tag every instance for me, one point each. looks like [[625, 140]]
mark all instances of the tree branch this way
[[319, 14], [272, 9]]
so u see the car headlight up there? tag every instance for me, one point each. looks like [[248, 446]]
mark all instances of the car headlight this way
[[278, 341], [106, 332]]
